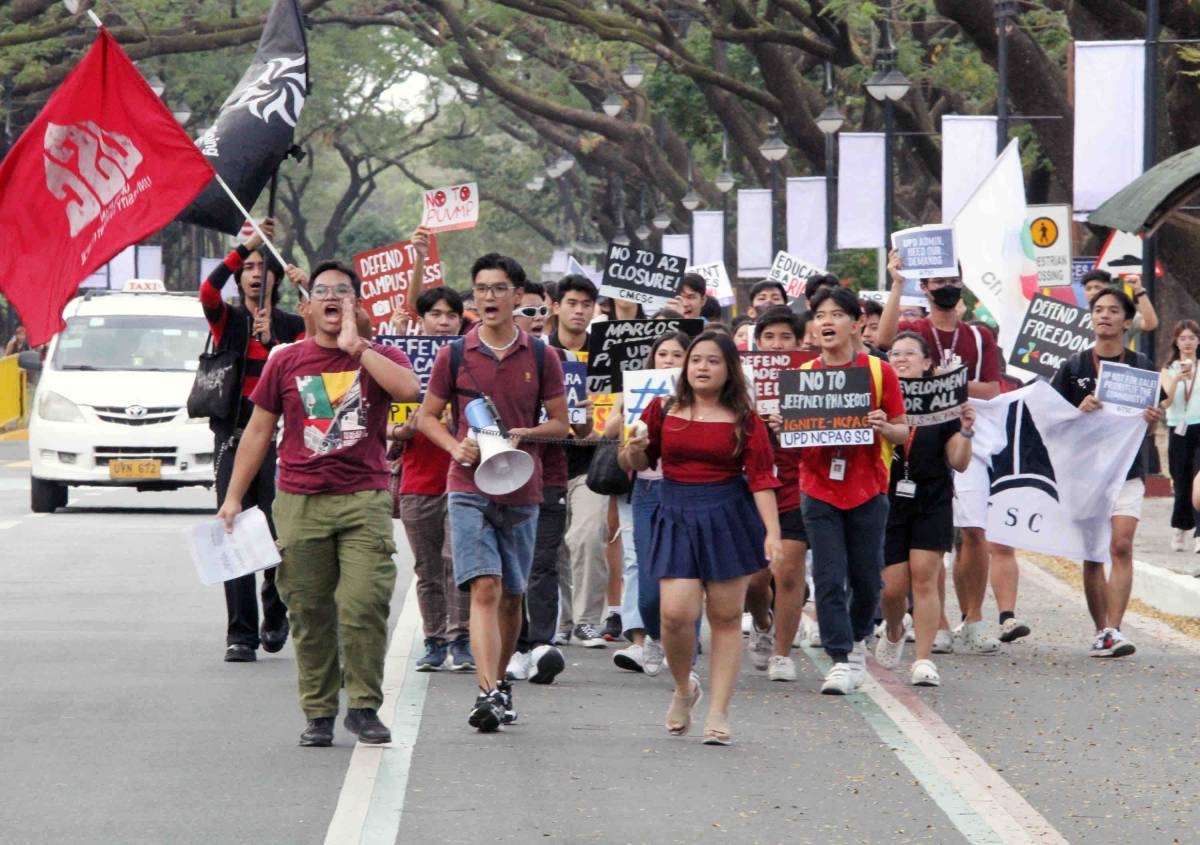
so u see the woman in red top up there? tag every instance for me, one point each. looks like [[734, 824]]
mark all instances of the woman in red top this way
[[706, 537]]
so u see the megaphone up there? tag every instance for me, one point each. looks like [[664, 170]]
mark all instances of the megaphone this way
[[502, 469]]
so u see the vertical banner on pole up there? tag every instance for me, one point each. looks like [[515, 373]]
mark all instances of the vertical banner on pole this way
[[755, 251], [861, 158], [680, 245], [1109, 140], [708, 229], [968, 152], [807, 219]]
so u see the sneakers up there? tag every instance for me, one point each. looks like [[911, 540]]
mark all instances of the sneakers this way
[[364, 721], [561, 638], [588, 636], [504, 688], [943, 642], [318, 733], [434, 657], [653, 659], [811, 632], [518, 666], [762, 644], [545, 663], [857, 660], [973, 638], [274, 636], [461, 659], [837, 680], [630, 659], [1178, 536], [1122, 646], [747, 624], [612, 628], [1111, 643], [888, 653], [1196, 546], [781, 668], [238, 653], [488, 712], [925, 674], [1013, 629]]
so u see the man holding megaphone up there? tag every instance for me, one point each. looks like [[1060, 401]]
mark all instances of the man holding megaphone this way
[[496, 379]]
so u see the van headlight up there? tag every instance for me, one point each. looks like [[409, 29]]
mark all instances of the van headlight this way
[[58, 408]]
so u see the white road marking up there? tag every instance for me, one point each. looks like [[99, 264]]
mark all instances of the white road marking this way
[[9, 523]]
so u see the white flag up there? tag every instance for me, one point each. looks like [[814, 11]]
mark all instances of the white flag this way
[[1055, 471]]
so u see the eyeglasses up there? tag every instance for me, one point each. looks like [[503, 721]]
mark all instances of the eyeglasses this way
[[327, 291], [904, 353], [531, 311], [481, 291]]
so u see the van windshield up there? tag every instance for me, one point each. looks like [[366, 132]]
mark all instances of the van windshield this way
[[131, 342]]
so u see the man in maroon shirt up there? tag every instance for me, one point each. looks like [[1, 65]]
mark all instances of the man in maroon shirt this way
[[954, 343], [333, 511], [492, 537]]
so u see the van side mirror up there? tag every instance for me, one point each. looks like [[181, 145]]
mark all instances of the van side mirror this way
[[30, 360]]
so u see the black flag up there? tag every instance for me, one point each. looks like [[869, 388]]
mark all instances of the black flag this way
[[254, 130]]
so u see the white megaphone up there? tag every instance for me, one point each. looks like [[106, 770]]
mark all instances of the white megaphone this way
[[502, 469]]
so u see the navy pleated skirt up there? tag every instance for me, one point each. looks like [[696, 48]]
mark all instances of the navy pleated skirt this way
[[707, 531]]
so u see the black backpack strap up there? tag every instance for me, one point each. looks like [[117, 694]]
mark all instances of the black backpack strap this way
[[456, 347]]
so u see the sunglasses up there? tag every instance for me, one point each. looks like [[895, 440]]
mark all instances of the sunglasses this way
[[531, 311]]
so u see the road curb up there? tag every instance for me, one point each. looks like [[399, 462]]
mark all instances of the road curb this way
[[1166, 590], [15, 435]]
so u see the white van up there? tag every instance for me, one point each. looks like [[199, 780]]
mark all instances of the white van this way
[[110, 408]]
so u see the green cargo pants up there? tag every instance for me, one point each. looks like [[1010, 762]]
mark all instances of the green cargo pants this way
[[336, 578]]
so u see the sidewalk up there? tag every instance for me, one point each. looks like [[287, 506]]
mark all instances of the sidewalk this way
[[1169, 581]]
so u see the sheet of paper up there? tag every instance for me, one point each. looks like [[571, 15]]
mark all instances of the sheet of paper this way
[[220, 556]]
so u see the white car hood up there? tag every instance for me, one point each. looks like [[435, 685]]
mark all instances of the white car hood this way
[[120, 388]]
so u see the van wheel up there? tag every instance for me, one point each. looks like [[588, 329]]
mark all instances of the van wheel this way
[[46, 496]]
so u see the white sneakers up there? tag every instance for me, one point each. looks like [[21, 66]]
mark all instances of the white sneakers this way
[[762, 644], [857, 659], [780, 668], [1178, 536], [653, 658], [810, 632], [973, 638], [925, 674], [888, 653], [838, 680], [518, 666], [631, 658]]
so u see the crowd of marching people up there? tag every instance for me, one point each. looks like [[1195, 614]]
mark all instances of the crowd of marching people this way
[[834, 546]]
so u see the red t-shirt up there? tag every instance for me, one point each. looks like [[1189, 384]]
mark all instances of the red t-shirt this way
[[334, 418], [696, 452], [512, 383], [866, 475], [787, 470], [423, 467], [962, 340]]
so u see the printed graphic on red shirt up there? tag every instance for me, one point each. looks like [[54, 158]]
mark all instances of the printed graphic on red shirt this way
[[335, 415]]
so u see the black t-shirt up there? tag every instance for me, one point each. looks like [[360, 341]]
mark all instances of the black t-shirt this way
[[927, 467], [1076, 378]]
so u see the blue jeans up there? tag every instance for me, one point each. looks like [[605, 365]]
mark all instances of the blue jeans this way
[[631, 617], [491, 539], [645, 501], [847, 549]]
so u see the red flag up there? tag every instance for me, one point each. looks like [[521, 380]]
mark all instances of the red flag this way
[[103, 166]]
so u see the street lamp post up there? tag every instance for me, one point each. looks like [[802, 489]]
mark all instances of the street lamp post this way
[[887, 86], [1005, 11], [774, 149], [724, 183], [830, 122]]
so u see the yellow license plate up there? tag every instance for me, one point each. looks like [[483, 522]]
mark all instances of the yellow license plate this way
[[137, 470]]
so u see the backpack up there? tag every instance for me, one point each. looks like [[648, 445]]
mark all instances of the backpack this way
[[876, 367], [456, 347]]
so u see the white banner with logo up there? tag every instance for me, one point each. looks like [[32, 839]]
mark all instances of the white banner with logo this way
[[708, 231], [860, 221], [807, 218], [968, 151], [1109, 93], [755, 252]]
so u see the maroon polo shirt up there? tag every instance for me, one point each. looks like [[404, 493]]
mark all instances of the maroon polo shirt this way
[[513, 385]]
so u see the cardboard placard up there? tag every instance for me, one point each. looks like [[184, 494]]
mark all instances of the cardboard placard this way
[[825, 407], [452, 208], [642, 276], [1126, 390], [716, 277], [793, 273], [421, 350], [936, 399], [602, 407], [762, 371], [616, 347], [926, 252], [1051, 331], [385, 274], [575, 380], [642, 387]]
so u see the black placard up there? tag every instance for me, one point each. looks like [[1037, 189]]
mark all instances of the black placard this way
[[825, 407], [618, 346], [639, 275], [1051, 331], [933, 400]]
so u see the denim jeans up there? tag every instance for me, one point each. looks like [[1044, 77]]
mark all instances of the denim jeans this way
[[847, 547], [631, 616], [645, 501], [490, 539]]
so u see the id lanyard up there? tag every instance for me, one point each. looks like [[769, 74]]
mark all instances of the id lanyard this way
[[1181, 429], [906, 488], [937, 339]]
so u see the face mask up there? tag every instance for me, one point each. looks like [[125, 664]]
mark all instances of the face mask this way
[[946, 297]]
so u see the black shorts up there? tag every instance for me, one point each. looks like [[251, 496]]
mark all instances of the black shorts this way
[[931, 531], [791, 526]]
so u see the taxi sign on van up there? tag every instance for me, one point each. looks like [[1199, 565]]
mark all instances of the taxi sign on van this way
[[144, 286]]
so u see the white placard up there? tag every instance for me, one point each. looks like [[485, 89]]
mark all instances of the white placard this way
[[715, 275], [452, 208], [221, 556]]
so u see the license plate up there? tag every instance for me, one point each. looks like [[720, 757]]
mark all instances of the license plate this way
[[137, 470]]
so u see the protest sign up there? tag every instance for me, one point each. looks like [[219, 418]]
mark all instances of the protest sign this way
[[619, 346], [602, 408], [793, 273], [1050, 332], [716, 278], [1126, 390], [926, 252], [421, 350], [825, 407], [642, 276], [937, 399], [449, 209], [386, 273], [575, 378], [642, 387], [762, 371]]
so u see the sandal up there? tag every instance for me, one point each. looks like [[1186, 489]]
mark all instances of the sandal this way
[[717, 735], [679, 716]]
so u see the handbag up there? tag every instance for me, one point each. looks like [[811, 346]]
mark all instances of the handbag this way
[[605, 476], [217, 385]]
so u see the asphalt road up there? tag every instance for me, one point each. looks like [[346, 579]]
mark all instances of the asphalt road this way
[[123, 725]]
